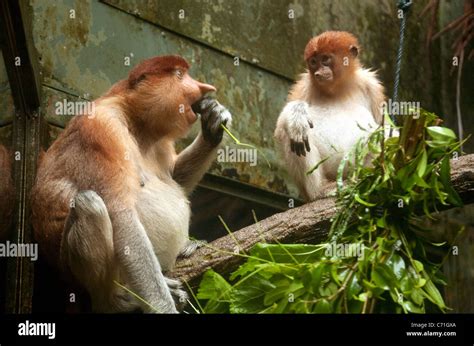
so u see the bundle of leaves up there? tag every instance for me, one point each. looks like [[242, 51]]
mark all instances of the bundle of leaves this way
[[375, 259]]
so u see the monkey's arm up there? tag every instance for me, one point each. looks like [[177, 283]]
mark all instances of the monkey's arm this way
[[192, 163], [196, 159], [375, 94]]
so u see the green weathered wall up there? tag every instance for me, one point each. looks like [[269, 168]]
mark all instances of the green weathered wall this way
[[7, 109], [85, 55]]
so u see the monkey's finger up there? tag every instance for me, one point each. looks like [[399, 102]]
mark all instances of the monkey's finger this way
[[297, 148], [226, 117], [310, 123], [224, 122], [206, 102], [209, 105], [302, 151], [306, 143], [217, 120], [199, 106], [292, 145], [214, 112]]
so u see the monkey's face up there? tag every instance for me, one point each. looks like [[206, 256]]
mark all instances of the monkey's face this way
[[164, 91], [330, 68], [192, 91], [321, 67], [173, 95], [331, 57]]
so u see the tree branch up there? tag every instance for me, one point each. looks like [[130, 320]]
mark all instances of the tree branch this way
[[309, 223]]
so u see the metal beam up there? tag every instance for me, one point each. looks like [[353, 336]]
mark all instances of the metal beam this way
[[26, 134]]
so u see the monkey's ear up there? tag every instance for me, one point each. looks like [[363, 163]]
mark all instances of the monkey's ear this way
[[354, 51], [133, 81]]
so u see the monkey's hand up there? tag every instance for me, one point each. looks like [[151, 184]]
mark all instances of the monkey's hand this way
[[213, 114], [297, 127]]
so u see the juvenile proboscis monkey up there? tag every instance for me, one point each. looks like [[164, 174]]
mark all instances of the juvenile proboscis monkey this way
[[110, 200], [332, 105]]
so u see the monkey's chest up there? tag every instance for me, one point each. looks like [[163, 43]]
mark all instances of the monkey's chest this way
[[338, 128], [164, 212]]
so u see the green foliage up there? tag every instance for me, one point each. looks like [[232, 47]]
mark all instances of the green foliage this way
[[375, 258]]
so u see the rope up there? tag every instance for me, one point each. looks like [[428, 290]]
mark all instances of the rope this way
[[403, 5]]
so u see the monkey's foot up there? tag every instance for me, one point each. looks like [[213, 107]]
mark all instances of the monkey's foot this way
[[190, 247], [180, 296]]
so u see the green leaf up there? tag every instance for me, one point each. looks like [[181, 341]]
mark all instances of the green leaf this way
[[288, 253], [441, 133], [418, 266], [421, 282], [417, 296], [354, 288], [334, 274], [397, 265], [278, 293], [410, 307], [363, 296], [420, 182], [317, 165], [379, 278], [361, 201], [421, 168], [328, 289], [216, 290], [433, 292], [322, 307], [249, 295], [445, 177]]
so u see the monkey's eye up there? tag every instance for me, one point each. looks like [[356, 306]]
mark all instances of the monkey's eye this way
[[325, 60], [313, 62], [179, 74]]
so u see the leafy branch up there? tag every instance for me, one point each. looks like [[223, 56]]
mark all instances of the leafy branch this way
[[375, 258]]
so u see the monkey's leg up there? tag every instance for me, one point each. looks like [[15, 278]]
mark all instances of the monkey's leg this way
[[87, 249], [139, 263]]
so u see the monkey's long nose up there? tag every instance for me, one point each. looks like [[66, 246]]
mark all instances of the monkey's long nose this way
[[205, 88]]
